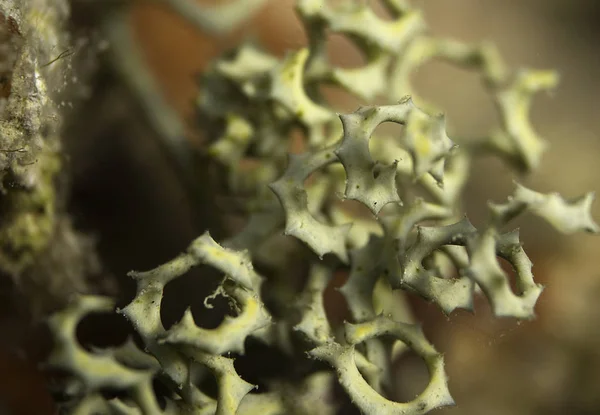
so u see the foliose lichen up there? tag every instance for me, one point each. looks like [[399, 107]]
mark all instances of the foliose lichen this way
[[413, 238]]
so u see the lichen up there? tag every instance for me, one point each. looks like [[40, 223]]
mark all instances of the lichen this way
[[409, 226]]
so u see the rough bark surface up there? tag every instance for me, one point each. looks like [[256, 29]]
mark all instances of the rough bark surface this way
[[40, 252]]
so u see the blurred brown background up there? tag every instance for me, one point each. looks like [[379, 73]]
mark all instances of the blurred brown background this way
[[549, 366]]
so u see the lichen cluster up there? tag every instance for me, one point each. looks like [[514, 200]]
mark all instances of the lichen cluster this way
[[385, 208]]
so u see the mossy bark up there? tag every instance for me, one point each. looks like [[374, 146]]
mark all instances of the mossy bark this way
[[39, 249]]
